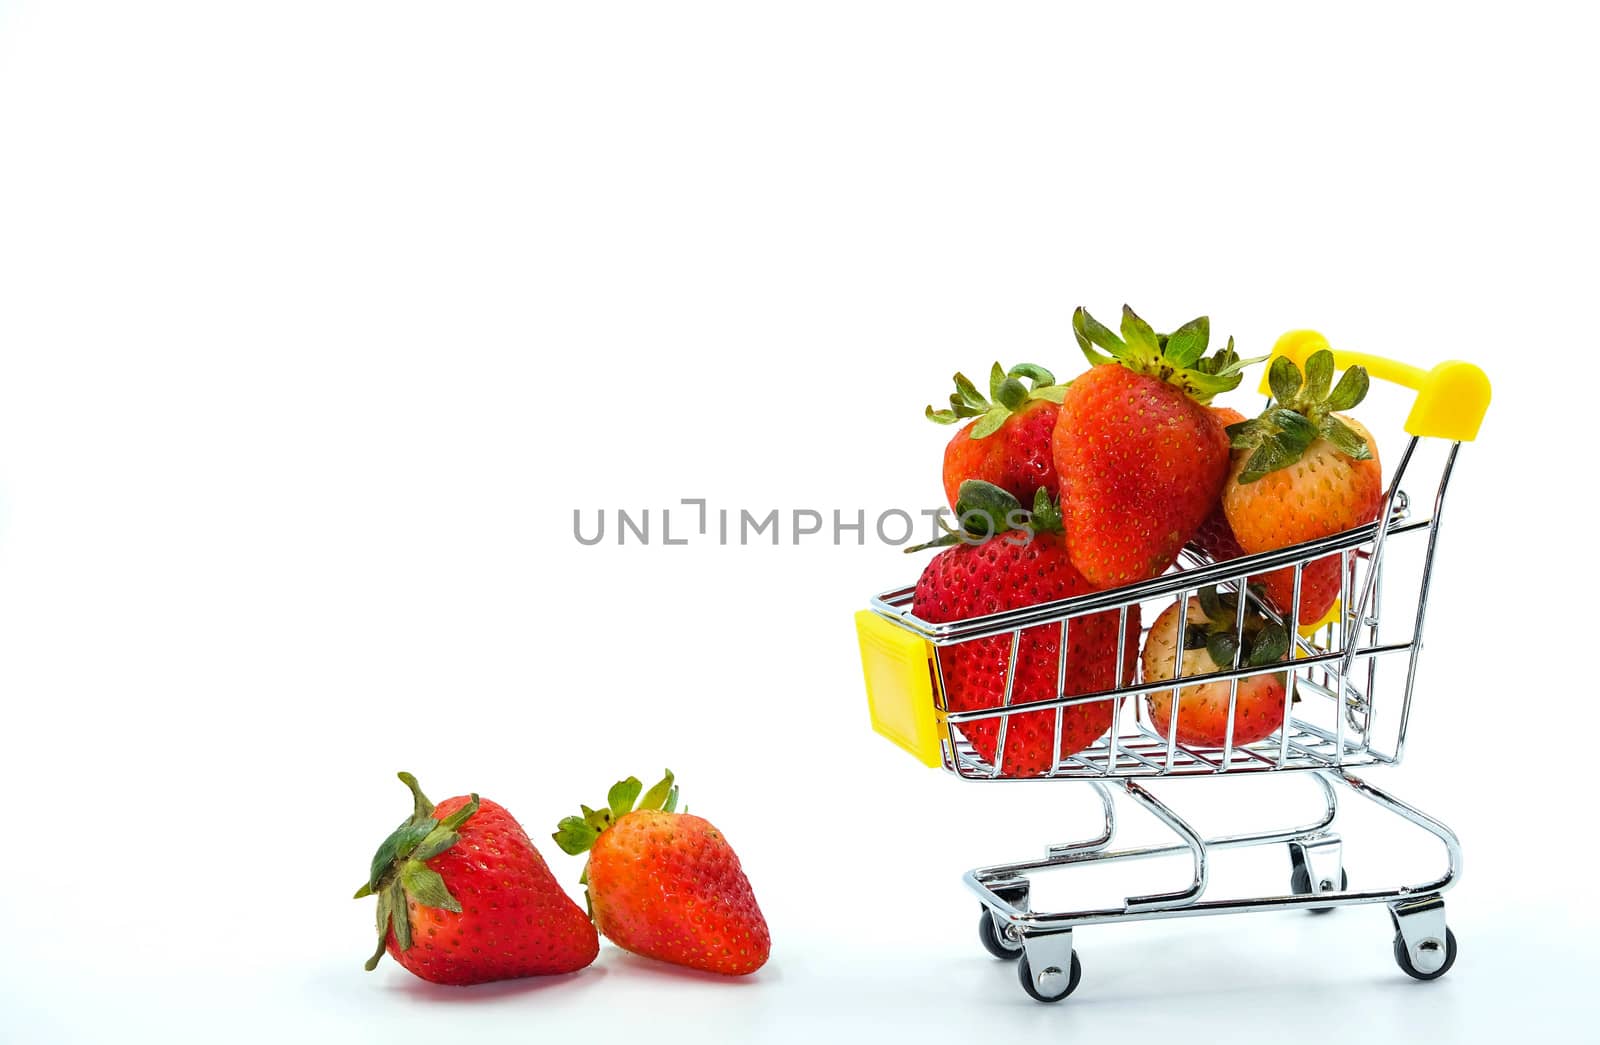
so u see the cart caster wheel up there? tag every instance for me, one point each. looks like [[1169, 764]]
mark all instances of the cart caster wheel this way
[[1431, 953], [1300, 884], [1061, 983], [1003, 945]]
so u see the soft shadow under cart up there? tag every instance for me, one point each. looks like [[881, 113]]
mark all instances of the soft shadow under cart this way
[[1353, 674]]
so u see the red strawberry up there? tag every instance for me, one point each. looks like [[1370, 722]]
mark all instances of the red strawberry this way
[[1215, 537], [463, 897], [1210, 643], [1141, 459], [1023, 567], [1300, 472], [1009, 443], [665, 884]]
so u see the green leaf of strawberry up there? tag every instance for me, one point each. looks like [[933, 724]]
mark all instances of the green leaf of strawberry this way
[[967, 393], [1294, 431], [1270, 645], [1283, 377], [1345, 438], [1046, 514], [1318, 377], [1351, 389], [1272, 454], [985, 509], [1139, 335], [426, 887], [1211, 603], [574, 834], [990, 422], [622, 796], [659, 793], [1221, 648], [1188, 343], [1038, 375], [1089, 331]]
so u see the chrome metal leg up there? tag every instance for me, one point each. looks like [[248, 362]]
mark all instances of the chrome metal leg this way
[[1197, 849], [1452, 844], [1100, 841]]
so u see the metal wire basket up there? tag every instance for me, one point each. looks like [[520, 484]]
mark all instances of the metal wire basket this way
[[1348, 705]]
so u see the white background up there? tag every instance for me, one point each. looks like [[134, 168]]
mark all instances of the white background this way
[[318, 320]]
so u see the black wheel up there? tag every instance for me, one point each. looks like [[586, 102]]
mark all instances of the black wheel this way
[[996, 943], [1402, 957], [1025, 974], [1300, 883]]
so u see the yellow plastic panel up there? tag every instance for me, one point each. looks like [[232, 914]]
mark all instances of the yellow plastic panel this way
[[1451, 398], [898, 669]]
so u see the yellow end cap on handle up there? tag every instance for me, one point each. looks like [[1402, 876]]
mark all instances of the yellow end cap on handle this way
[[899, 671], [1451, 398]]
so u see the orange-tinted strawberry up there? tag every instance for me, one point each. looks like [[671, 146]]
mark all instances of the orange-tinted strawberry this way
[[1008, 442], [1226, 415], [1140, 458], [1301, 471], [1025, 564], [1211, 643], [463, 897], [667, 885]]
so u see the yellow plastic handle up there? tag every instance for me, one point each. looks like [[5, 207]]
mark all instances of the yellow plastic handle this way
[[1451, 398]]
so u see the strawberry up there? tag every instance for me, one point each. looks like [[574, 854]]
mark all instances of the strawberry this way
[[1009, 442], [1024, 563], [463, 897], [665, 884], [1210, 643], [1300, 472], [1215, 537], [1141, 459]]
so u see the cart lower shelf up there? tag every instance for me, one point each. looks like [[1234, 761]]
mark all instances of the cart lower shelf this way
[[1041, 943]]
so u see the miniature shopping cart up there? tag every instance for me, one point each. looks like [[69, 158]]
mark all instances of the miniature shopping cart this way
[[1348, 706]]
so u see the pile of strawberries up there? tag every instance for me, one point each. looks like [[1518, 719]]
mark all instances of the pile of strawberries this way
[[1065, 489], [465, 898]]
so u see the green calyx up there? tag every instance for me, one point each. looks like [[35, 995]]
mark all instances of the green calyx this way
[[1301, 411], [576, 834], [984, 510], [400, 872], [1008, 393], [1264, 641], [1178, 358]]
